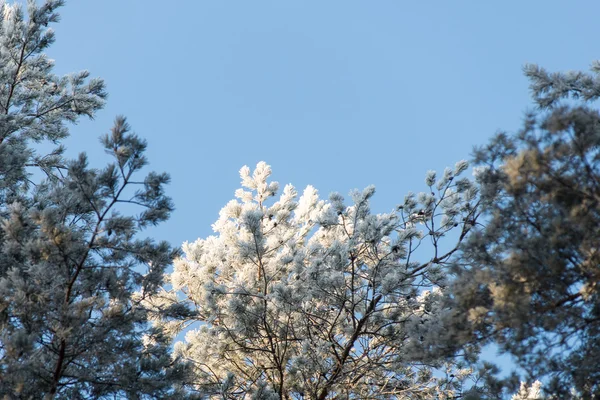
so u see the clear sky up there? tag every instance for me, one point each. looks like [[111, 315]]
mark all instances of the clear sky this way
[[337, 94]]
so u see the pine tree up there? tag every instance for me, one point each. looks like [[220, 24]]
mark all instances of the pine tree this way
[[529, 279], [73, 271], [35, 104], [302, 298]]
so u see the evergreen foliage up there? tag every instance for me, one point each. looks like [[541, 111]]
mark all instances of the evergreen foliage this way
[[529, 278], [294, 297], [71, 326], [35, 104], [301, 298], [549, 89]]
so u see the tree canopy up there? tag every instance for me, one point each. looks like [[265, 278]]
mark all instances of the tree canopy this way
[[71, 260], [294, 296], [302, 298], [529, 278]]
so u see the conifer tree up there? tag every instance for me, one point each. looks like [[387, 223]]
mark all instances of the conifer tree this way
[[70, 261], [35, 104], [529, 279], [302, 298]]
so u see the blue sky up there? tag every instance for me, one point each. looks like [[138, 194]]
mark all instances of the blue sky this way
[[337, 94]]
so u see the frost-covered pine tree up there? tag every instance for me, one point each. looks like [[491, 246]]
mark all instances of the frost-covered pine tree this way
[[302, 298], [70, 261], [532, 392]]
